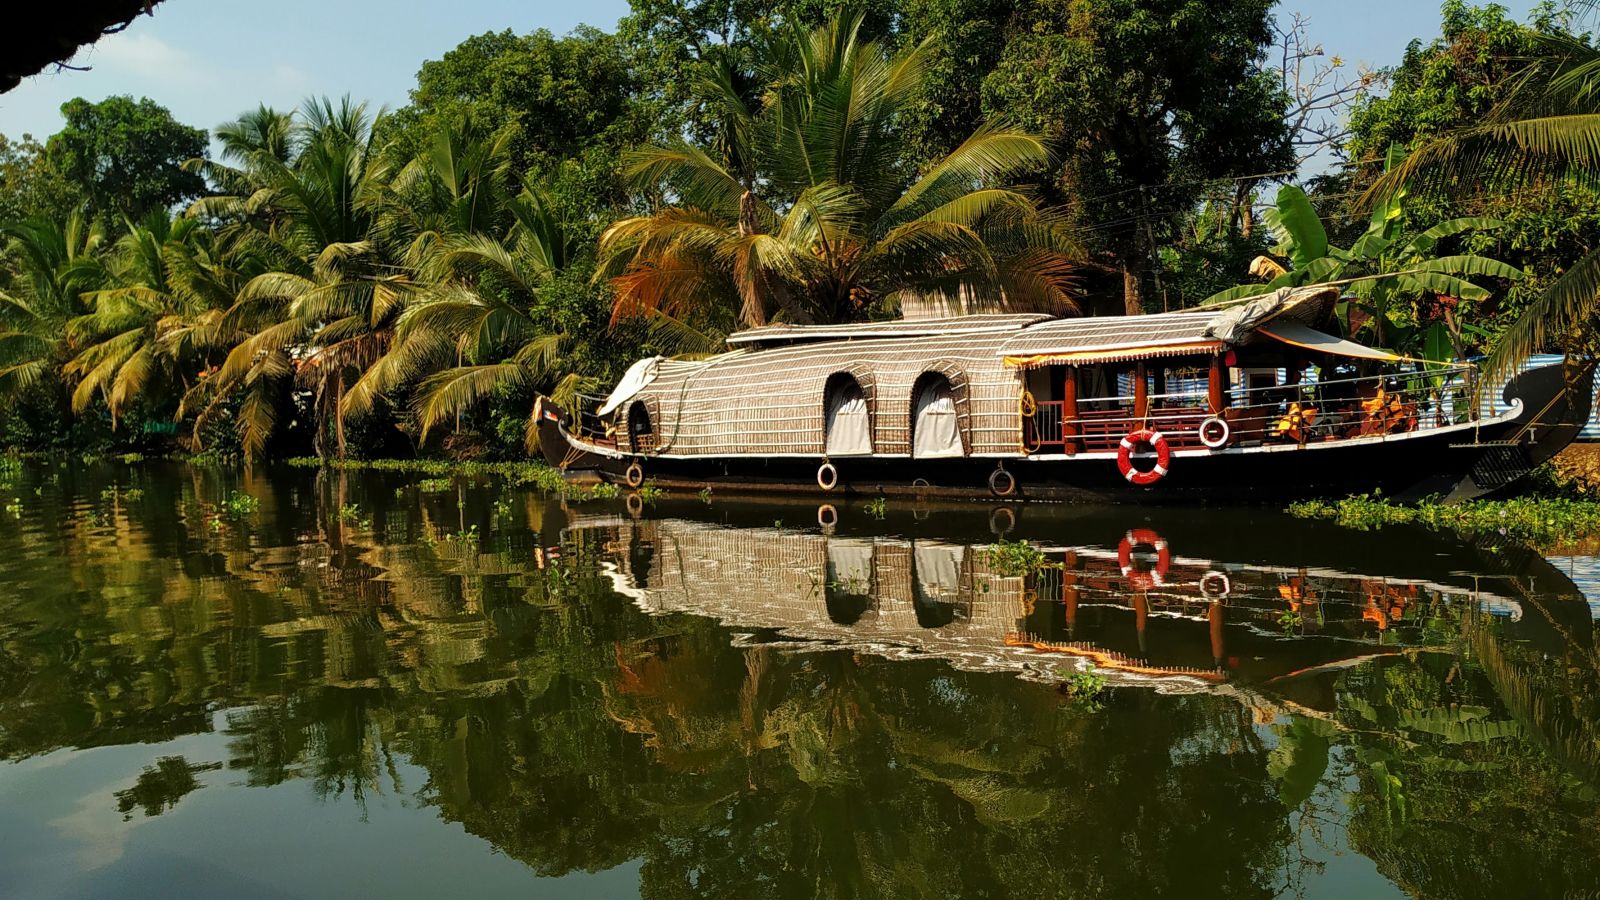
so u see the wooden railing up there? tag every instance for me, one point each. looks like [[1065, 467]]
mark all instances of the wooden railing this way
[[1301, 413]]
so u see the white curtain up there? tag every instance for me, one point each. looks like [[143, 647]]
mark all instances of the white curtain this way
[[936, 432], [849, 432], [939, 570], [850, 566]]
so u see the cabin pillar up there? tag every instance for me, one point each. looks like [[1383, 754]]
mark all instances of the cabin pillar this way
[[1069, 410], [1141, 615], [1214, 623], [1141, 392], [1069, 591], [1216, 398]]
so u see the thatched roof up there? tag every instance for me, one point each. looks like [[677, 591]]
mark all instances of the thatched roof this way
[[772, 400], [49, 34]]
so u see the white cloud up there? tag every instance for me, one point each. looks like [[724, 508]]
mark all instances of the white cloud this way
[[141, 54]]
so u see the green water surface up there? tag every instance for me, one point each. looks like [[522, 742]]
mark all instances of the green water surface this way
[[299, 684]]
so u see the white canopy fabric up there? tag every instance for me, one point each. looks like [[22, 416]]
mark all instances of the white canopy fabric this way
[[638, 376], [849, 429], [936, 433], [1309, 338]]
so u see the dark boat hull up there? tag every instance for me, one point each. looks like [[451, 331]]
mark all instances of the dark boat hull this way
[[1458, 463]]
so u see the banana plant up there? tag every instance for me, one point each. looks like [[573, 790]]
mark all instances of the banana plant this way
[[1388, 270]]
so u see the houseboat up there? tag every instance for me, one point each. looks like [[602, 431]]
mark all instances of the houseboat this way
[[1256, 402]]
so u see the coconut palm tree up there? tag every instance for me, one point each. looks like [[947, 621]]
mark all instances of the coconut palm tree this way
[[809, 212], [1546, 131], [57, 265], [325, 310], [155, 322], [478, 325]]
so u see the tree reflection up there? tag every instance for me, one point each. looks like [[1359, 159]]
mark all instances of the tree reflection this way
[[575, 730], [161, 786]]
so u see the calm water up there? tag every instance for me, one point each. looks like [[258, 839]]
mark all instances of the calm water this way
[[364, 688]]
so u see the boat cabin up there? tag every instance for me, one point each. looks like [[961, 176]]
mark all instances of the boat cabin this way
[[1261, 374]]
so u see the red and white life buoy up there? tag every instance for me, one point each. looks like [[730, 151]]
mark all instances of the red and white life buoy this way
[[1157, 442], [1144, 537], [1215, 433]]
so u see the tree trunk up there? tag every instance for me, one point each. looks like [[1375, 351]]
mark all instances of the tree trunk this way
[[1132, 291], [338, 415]]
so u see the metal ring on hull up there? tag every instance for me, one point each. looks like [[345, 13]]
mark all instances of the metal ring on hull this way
[[634, 475]]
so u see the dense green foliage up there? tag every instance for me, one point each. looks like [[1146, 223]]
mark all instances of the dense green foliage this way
[[1148, 103], [1546, 522], [548, 208], [1499, 122], [126, 157]]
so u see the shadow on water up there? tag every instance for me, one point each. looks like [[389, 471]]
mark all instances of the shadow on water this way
[[741, 702]]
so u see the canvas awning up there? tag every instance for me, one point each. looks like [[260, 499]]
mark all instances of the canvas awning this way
[[1308, 338], [1114, 354], [636, 379]]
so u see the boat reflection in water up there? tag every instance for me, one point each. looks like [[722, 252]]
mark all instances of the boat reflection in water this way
[[1231, 615]]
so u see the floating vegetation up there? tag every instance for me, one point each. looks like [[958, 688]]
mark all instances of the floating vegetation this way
[[442, 472], [462, 538], [351, 513], [877, 507], [239, 504], [14, 508], [1538, 521], [1014, 558], [650, 492], [705, 495], [1085, 689]]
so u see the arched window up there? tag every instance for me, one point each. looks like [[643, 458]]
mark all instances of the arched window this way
[[935, 427], [848, 421], [641, 432]]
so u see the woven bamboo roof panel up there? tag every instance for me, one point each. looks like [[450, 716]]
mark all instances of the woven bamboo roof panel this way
[[948, 325]]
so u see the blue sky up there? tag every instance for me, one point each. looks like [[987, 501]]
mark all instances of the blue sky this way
[[208, 60]]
